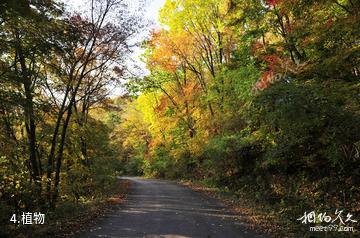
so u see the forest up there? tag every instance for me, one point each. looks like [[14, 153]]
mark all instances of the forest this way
[[252, 97]]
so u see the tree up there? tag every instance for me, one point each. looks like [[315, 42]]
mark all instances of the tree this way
[[98, 45]]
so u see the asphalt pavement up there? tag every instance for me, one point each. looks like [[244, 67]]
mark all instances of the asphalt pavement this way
[[157, 208]]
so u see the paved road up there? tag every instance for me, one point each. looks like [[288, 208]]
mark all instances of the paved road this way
[[156, 208]]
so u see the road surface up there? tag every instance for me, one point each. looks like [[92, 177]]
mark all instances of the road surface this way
[[156, 208]]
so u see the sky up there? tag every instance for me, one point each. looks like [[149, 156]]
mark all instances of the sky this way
[[152, 8]]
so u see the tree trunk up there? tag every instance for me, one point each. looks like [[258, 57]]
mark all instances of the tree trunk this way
[[29, 113], [60, 152]]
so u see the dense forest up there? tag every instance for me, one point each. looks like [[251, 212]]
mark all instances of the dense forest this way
[[258, 97], [56, 72]]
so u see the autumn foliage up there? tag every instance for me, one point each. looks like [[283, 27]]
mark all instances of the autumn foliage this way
[[257, 98]]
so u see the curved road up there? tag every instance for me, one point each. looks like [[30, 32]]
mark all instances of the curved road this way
[[156, 208]]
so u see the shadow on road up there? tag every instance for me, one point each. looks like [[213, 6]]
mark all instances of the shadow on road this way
[[156, 208]]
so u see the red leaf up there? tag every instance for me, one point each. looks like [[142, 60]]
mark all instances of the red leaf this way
[[273, 2]]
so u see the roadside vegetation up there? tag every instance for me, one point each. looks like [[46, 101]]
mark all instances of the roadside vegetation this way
[[57, 70], [259, 98]]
